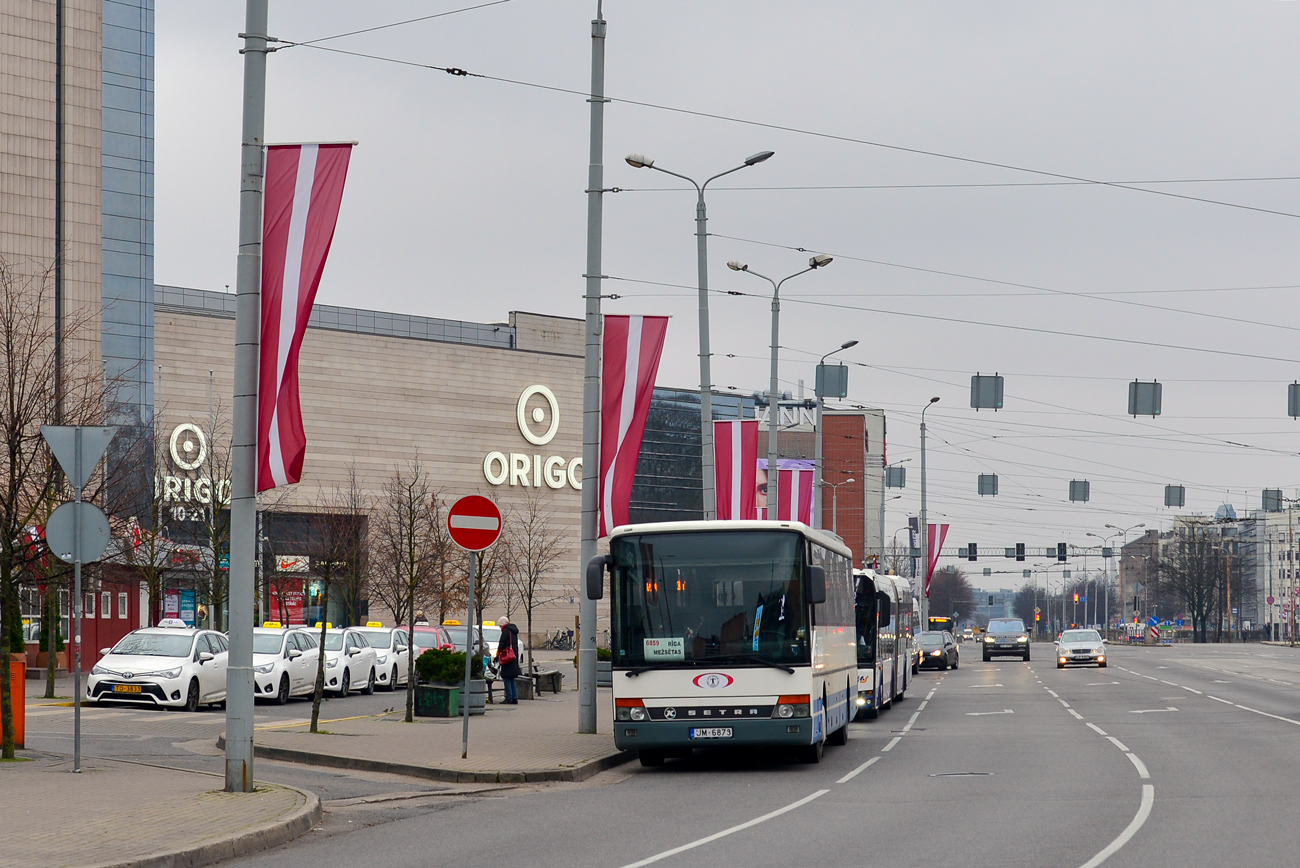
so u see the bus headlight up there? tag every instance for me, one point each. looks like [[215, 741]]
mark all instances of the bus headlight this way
[[637, 713], [797, 705], [629, 709]]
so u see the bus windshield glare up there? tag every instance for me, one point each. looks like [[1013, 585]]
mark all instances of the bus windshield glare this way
[[686, 598], [865, 604]]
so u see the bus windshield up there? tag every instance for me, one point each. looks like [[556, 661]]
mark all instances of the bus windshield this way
[[865, 606], [686, 598]]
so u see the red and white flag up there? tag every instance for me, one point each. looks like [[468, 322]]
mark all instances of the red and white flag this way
[[735, 444], [935, 546], [794, 495], [630, 360], [304, 188]]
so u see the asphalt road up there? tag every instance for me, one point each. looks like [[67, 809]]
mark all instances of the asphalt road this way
[[1179, 756]]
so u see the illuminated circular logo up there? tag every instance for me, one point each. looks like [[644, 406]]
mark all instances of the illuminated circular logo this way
[[188, 446], [713, 680], [538, 415]]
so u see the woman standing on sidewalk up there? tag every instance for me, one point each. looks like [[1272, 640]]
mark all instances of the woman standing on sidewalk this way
[[508, 659]]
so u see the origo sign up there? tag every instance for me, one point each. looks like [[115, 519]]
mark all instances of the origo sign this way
[[539, 426], [188, 484]]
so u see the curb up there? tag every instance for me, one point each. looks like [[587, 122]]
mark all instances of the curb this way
[[254, 840], [566, 775]]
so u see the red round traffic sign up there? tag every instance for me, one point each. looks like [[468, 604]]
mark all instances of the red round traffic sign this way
[[474, 522]]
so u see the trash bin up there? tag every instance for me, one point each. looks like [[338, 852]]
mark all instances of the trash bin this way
[[436, 700]]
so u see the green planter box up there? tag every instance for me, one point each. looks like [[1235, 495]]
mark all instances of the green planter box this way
[[436, 700]]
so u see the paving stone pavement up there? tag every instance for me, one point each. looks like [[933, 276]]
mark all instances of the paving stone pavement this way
[[117, 812]]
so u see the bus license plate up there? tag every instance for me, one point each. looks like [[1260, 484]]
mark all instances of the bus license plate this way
[[126, 688], [711, 732]]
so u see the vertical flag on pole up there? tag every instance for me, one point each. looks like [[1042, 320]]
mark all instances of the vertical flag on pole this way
[[304, 189], [794, 498], [630, 360], [735, 445], [936, 546]]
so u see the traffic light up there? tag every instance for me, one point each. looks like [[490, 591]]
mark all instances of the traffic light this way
[[1060, 552], [1076, 598], [971, 553], [1020, 551]]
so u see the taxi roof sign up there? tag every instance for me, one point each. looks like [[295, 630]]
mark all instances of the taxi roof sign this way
[[328, 626], [451, 622], [374, 623], [272, 625], [172, 622]]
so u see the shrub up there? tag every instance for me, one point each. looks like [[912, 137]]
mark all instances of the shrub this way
[[440, 666]]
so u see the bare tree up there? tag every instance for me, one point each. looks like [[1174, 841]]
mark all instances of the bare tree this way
[[951, 591], [1193, 568], [534, 545]]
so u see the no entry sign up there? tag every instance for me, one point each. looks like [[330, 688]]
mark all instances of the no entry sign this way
[[474, 522]]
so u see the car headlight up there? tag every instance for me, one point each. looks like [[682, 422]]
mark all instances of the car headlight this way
[[935, 653], [167, 673], [264, 669], [988, 638], [330, 664], [1022, 638], [100, 670], [381, 659]]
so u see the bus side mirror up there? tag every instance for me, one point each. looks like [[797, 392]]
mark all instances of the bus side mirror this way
[[816, 584], [596, 576]]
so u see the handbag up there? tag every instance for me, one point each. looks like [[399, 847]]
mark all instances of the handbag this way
[[506, 656]]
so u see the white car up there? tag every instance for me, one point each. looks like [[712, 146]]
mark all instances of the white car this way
[[284, 663], [349, 661], [391, 654], [1080, 646], [168, 666]]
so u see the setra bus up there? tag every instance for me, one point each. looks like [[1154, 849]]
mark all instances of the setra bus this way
[[884, 611], [728, 633]]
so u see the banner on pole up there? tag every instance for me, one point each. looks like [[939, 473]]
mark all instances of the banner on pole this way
[[935, 546], [735, 444], [794, 495]]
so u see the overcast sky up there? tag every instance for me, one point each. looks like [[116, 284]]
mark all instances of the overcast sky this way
[[465, 201]]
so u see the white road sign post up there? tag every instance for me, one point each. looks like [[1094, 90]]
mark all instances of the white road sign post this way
[[77, 532], [474, 524]]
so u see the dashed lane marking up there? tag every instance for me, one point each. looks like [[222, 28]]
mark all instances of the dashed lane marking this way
[[859, 770], [1119, 744], [1140, 766], [895, 740], [1097, 729]]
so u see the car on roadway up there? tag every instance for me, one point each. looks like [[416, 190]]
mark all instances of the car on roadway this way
[[349, 661], [938, 650], [968, 635], [1080, 647], [392, 654], [1006, 637], [169, 666], [284, 663]]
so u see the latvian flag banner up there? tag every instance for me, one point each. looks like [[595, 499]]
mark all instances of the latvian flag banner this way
[[935, 546], [794, 493], [735, 444], [304, 188], [630, 360]]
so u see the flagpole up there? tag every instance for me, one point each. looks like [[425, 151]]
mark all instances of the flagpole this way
[[243, 480]]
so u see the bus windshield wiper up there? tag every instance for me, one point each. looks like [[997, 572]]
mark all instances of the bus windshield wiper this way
[[749, 658]]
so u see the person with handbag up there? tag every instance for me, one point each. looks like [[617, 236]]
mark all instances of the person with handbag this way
[[508, 659]]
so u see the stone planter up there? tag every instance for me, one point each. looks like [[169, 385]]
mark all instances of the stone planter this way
[[477, 694], [604, 673], [437, 700]]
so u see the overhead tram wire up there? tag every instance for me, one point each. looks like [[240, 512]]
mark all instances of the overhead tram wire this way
[[319, 39], [992, 184], [284, 43]]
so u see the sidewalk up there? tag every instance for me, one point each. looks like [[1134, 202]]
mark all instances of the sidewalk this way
[[536, 740], [128, 814]]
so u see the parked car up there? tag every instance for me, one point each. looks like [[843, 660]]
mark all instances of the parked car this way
[[349, 660], [1006, 637], [171, 666], [284, 663], [487, 640], [428, 636], [392, 654], [938, 650], [1080, 647]]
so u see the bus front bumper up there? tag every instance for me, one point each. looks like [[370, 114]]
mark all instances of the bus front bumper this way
[[649, 734]]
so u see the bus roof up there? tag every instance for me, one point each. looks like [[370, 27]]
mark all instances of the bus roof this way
[[826, 538]]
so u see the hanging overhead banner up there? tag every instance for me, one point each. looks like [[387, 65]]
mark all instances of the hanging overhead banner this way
[[629, 363]]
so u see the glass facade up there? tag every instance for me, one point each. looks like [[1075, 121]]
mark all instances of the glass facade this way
[[128, 163]]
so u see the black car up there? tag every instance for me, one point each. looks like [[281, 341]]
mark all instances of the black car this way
[[1006, 637], [938, 650]]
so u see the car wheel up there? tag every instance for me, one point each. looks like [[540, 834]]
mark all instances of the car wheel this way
[[1101, 665], [1060, 665], [987, 658], [812, 754], [346, 687], [916, 668], [1026, 656], [192, 696], [651, 758], [392, 682], [943, 666], [370, 685], [282, 695]]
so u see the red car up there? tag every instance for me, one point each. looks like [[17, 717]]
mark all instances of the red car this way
[[428, 636]]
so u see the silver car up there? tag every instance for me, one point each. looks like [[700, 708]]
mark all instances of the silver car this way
[[1076, 647]]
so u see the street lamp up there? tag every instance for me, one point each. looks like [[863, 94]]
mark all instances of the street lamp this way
[[835, 504], [640, 161], [817, 457], [925, 528], [1124, 531], [819, 261]]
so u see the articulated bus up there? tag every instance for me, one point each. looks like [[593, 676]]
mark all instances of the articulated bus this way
[[728, 633], [884, 611]]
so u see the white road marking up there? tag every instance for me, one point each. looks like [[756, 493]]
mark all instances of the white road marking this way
[[1191, 690], [1152, 710], [1119, 744], [1099, 683], [983, 713], [1062, 701], [1217, 699], [1162, 681], [1144, 811], [1097, 729], [725, 832], [1053, 692], [895, 740], [916, 713], [973, 686], [1266, 714], [1077, 715], [1140, 766], [929, 695], [924, 702], [859, 770], [1152, 677]]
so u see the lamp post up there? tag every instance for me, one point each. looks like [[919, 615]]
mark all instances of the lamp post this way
[[835, 504], [640, 161], [773, 477], [1124, 532], [817, 456], [925, 528]]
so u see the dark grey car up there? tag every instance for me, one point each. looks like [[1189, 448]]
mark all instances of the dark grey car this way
[[1006, 637], [938, 650]]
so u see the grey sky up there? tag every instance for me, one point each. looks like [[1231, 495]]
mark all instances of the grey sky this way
[[465, 201]]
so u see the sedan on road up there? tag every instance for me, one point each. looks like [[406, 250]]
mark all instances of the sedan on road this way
[[167, 666], [392, 653], [349, 661], [1080, 647], [1006, 637], [938, 650], [284, 663]]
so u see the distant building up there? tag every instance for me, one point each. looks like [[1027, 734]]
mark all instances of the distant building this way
[[993, 604]]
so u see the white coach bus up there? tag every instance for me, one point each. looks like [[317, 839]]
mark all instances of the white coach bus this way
[[728, 633], [884, 611]]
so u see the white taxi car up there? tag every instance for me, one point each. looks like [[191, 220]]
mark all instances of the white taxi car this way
[[284, 663], [171, 665], [392, 654], [349, 661]]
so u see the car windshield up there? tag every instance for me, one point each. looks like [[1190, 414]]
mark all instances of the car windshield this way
[[267, 643], [377, 638], [155, 645], [679, 598], [1081, 636], [333, 641], [931, 639], [1006, 625], [866, 607]]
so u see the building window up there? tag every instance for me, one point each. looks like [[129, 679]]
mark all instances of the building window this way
[[122, 609], [90, 606], [106, 605]]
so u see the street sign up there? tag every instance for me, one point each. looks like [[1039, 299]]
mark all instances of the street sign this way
[[94, 532], [1153, 621], [1272, 600], [63, 443], [474, 522], [1037, 611]]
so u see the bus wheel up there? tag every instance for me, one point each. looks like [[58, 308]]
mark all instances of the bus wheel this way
[[812, 753], [839, 737], [651, 758]]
